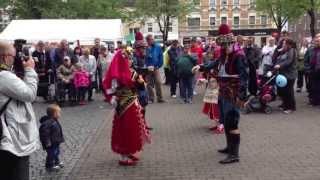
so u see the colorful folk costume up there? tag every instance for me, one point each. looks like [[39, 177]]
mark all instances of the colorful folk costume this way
[[211, 107], [141, 70], [129, 133], [232, 78]]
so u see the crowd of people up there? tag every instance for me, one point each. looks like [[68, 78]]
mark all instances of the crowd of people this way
[[74, 73], [231, 68]]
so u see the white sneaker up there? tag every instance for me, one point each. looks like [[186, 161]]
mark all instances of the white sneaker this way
[[288, 111], [54, 169], [174, 96], [61, 165]]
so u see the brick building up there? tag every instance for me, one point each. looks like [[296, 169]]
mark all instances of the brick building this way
[[241, 15]]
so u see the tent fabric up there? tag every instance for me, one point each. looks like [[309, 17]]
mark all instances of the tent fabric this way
[[57, 29]]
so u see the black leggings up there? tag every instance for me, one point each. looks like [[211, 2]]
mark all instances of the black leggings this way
[[300, 79], [287, 95], [13, 167], [81, 93]]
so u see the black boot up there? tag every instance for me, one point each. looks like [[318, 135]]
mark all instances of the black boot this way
[[233, 155], [226, 149]]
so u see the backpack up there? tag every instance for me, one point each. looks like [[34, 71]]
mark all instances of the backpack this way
[[2, 110]]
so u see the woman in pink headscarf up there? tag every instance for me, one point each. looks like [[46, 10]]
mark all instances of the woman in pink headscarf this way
[[129, 132]]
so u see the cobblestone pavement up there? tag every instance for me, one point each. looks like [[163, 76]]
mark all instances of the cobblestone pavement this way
[[80, 124], [273, 147]]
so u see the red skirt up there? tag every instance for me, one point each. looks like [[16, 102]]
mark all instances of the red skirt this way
[[129, 132], [212, 110]]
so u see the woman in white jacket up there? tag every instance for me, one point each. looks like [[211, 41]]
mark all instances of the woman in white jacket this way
[[20, 135], [267, 53]]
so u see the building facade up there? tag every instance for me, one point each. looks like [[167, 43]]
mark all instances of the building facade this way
[[241, 15]]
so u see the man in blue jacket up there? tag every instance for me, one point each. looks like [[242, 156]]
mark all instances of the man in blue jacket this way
[[154, 62]]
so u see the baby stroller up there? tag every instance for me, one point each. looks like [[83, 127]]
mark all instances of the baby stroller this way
[[266, 94]]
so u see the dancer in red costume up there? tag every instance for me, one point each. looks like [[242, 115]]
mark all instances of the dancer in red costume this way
[[129, 133]]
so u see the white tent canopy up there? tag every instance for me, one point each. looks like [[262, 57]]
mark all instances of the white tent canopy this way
[[57, 29]]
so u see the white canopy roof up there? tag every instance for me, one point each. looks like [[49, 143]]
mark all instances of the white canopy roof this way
[[57, 29]]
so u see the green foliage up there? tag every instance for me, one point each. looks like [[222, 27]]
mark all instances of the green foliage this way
[[163, 11], [308, 4], [157, 8], [85, 9], [280, 10]]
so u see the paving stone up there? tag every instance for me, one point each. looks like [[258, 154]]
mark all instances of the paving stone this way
[[273, 147]]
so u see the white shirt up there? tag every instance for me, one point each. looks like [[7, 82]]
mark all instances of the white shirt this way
[[267, 53]]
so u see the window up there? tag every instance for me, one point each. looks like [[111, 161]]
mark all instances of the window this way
[[149, 27], [236, 21], [252, 3], [212, 21], [223, 20], [236, 2], [224, 2], [196, 2], [212, 3], [194, 22], [252, 20], [170, 29], [263, 20], [134, 30]]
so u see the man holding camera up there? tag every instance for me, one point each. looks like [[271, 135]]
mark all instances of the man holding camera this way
[[18, 127]]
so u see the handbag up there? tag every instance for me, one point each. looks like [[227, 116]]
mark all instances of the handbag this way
[[4, 107]]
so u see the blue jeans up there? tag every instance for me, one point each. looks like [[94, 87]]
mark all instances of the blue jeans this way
[[186, 88], [53, 156], [229, 114]]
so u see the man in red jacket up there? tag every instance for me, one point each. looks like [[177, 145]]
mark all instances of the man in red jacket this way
[[196, 50]]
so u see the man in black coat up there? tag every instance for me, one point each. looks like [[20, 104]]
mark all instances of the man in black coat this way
[[62, 51], [43, 68], [253, 54], [174, 53]]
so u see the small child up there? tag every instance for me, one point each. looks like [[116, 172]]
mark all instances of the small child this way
[[81, 82], [184, 70], [51, 137], [211, 107]]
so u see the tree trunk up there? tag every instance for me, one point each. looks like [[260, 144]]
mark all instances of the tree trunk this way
[[311, 13], [166, 30], [279, 29]]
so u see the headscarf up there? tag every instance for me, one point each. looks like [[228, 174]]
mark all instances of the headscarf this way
[[119, 70]]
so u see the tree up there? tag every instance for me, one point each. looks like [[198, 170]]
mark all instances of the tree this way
[[69, 9], [281, 11], [310, 7], [163, 11]]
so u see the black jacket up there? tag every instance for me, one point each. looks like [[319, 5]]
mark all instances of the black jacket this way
[[174, 54], [50, 132], [254, 56]]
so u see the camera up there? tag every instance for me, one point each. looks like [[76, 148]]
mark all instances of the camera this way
[[22, 54]]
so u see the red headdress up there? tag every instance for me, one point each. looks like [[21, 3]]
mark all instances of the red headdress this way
[[225, 37], [139, 41], [119, 70]]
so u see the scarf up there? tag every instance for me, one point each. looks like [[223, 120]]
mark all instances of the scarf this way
[[118, 70]]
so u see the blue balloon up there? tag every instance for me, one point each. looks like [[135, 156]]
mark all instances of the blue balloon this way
[[281, 81]]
